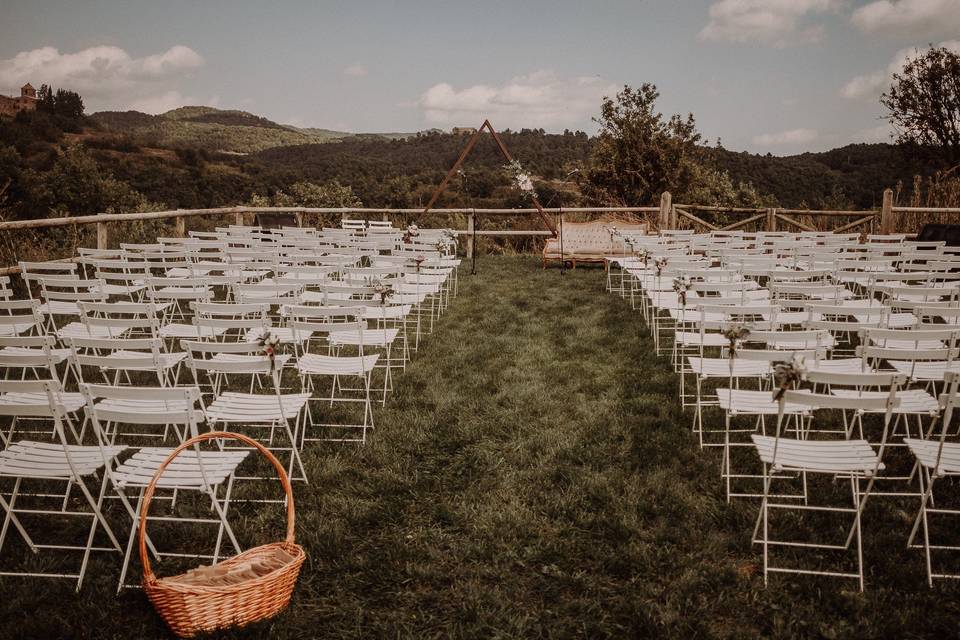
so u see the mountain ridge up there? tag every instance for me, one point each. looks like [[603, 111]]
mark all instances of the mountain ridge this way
[[219, 130]]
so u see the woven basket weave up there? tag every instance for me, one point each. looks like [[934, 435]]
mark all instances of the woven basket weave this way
[[190, 609]]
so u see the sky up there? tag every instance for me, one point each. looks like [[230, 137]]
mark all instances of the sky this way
[[766, 76]]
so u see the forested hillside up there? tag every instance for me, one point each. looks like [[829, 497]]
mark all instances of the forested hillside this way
[[403, 173], [851, 176], [208, 128], [51, 164]]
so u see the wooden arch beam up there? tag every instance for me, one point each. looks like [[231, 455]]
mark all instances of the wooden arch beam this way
[[463, 156]]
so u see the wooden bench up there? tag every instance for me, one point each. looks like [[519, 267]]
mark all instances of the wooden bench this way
[[588, 241]]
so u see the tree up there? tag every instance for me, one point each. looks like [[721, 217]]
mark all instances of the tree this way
[[74, 186], [63, 103], [638, 154], [68, 104], [924, 102], [312, 195], [714, 187], [45, 101]]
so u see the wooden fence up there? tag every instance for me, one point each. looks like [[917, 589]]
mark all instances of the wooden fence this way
[[668, 215], [884, 220], [244, 215]]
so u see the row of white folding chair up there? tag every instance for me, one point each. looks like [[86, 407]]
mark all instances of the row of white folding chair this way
[[909, 339], [75, 465]]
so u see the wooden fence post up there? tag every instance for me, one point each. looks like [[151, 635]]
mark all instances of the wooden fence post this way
[[102, 237], [470, 235], [771, 219], [886, 212], [180, 227], [666, 207], [238, 218]]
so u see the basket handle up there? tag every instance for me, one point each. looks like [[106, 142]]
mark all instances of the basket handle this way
[[148, 575]]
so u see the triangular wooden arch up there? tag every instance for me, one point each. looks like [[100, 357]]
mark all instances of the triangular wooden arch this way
[[506, 154]]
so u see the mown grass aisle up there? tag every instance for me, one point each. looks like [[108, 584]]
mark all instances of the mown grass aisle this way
[[532, 476]]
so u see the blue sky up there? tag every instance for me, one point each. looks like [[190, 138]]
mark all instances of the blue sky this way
[[779, 76]]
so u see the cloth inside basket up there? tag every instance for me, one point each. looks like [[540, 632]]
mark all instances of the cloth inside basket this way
[[235, 570]]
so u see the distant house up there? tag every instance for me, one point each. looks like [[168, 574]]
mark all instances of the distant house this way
[[27, 101], [463, 131]]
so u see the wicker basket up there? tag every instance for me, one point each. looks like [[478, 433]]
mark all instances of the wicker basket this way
[[190, 608]]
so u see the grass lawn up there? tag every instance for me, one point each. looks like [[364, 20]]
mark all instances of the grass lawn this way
[[531, 476]]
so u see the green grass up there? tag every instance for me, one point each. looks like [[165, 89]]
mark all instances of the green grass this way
[[532, 476]]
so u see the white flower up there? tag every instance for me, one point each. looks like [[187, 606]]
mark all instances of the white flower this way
[[524, 182], [787, 375], [522, 178], [799, 364], [736, 332]]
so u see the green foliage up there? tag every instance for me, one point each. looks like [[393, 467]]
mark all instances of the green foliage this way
[[211, 129], [390, 172], [236, 118], [63, 103], [178, 159], [10, 165], [308, 194], [924, 102], [76, 185], [714, 187], [860, 171], [638, 155]]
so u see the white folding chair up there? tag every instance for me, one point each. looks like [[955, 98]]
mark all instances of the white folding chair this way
[[221, 363], [326, 322], [46, 463], [849, 459], [203, 472], [938, 459]]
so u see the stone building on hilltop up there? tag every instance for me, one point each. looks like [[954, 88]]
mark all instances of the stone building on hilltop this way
[[27, 101]]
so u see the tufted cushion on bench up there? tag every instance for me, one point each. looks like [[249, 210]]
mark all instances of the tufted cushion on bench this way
[[589, 241]]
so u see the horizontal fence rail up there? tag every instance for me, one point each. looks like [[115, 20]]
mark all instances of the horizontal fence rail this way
[[104, 220], [668, 216]]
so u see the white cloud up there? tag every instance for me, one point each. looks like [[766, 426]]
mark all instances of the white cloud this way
[[923, 18], [871, 85], [356, 71], [786, 138], [106, 76], [540, 99], [774, 22]]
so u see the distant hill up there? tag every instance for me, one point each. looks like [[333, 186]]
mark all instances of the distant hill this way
[[433, 152], [855, 174], [213, 129], [200, 156], [403, 172], [851, 176]]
